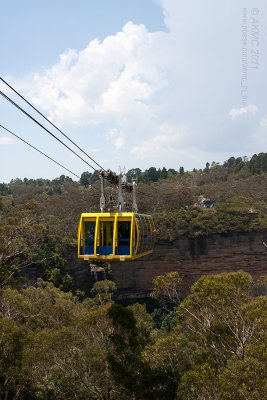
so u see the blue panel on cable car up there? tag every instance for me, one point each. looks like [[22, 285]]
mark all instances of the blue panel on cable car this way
[[123, 251], [104, 250], [88, 249]]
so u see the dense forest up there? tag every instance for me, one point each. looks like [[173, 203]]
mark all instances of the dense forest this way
[[60, 340], [212, 345]]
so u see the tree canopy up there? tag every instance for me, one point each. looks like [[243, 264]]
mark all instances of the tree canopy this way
[[52, 345]]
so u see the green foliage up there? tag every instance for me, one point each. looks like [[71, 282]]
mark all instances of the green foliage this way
[[225, 323], [12, 341], [195, 222], [59, 279], [181, 170], [220, 308], [246, 379], [163, 173], [134, 173], [88, 178], [151, 175], [166, 287], [20, 238], [164, 319], [4, 189], [234, 164], [103, 291], [199, 383], [258, 163], [37, 232], [53, 346], [128, 339]]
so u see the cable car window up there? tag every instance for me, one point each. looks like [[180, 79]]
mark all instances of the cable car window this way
[[143, 220], [150, 233], [141, 234], [139, 228], [124, 237], [135, 244], [146, 234], [89, 237], [152, 230], [105, 238]]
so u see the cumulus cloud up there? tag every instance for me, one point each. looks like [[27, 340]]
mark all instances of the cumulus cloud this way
[[167, 141], [116, 138], [103, 81], [155, 95], [235, 113]]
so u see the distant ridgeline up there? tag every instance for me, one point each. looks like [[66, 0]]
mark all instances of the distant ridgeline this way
[[257, 164]]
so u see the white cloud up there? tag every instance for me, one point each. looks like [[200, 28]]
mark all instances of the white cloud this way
[[156, 96], [235, 113], [104, 81], [166, 142], [263, 123], [116, 138], [259, 137], [7, 140]]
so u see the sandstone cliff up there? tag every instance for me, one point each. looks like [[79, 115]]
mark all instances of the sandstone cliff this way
[[193, 257]]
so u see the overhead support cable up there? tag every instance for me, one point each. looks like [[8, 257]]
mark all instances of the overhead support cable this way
[[43, 127], [39, 151], [59, 130]]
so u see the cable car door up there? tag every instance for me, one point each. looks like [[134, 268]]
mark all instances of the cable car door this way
[[105, 237]]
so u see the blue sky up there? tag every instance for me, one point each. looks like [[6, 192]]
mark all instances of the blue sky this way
[[135, 83]]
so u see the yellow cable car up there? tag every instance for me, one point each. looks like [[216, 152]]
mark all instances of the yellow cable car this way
[[118, 236]]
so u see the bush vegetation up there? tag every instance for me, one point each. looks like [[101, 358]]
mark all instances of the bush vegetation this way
[[53, 346]]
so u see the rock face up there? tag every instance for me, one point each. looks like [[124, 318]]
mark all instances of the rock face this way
[[79, 270], [192, 258]]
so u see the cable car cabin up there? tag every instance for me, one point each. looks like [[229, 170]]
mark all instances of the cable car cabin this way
[[120, 236]]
